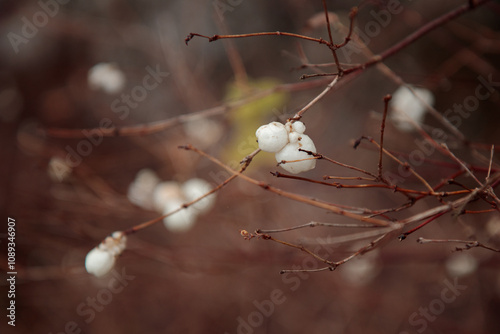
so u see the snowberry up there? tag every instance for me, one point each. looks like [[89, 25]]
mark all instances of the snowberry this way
[[164, 192], [404, 102], [297, 126], [141, 189], [101, 259], [272, 137], [291, 152], [115, 243], [180, 221], [293, 137], [461, 264], [99, 262], [194, 188], [58, 169], [106, 76]]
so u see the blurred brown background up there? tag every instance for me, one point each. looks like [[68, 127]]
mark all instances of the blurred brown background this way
[[210, 280]]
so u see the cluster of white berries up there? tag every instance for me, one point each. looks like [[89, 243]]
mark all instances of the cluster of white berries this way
[[285, 141], [149, 192], [107, 77], [101, 259], [406, 104]]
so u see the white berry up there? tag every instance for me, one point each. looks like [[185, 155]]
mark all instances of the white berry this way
[[297, 126], [194, 188], [141, 189], [272, 137], [291, 152], [164, 192], [180, 221], [294, 137], [107, 77], [99, 262], [404, 102]]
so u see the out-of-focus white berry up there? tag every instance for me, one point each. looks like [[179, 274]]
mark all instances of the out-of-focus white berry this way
[[194, 188], [140, 191], [101, 259], [272, 137], [204, 132], [58, 169], [99, 262], [180, 221], [291, 152], [115, 243], [297, 126], [405, 105], [164, 192], [361, 270], [461, 264], [107, 77], [493, 226]]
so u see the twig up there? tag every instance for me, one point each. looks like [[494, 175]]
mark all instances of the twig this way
[[352, 15], [334, 52], [491, 162], [461, 163], [302, 248], [384, 186], [437, 22], [296, 197], [494, 180], [301, 112], [404, 235], [324, 157], [245, 163], [404, 164], [314, 224], [150, 128], [387, 98], [256, 34], [333, 265], [468, 243]]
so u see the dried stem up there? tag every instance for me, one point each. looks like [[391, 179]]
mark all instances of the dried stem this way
[[437, 22], [404, 164], [404, 235], [296, 197], [154, 127], [302, 248], [315, 224], [301, 112], [468, 243], [387, 98], [256, 34], [245, 163], [461, 163]]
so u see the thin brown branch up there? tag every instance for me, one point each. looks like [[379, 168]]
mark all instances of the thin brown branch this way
[[296, 197], [352, 15], [154, 127], [437, 22], [301, 112], [468, 243], [403, 164], [256, 34], [405, 234], [383, 186], [461, 163], [315, 224], [244, 164], [302, 248], [387, 98]]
